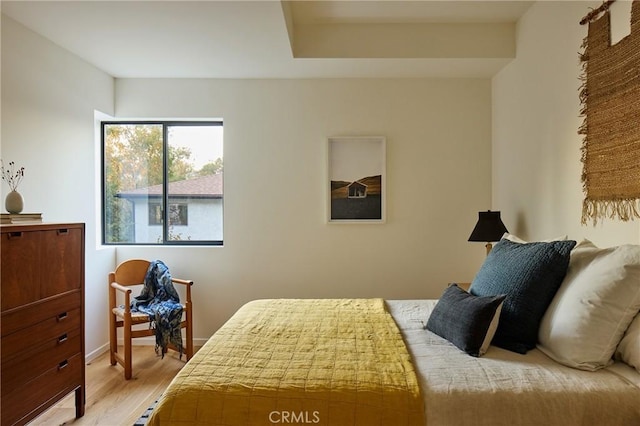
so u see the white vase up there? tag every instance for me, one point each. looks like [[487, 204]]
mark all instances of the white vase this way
[[14, 202]]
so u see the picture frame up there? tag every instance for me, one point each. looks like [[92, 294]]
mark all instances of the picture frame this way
[[356, 190]]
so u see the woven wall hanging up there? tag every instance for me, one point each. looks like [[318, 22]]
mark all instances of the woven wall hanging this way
[[610, 98]]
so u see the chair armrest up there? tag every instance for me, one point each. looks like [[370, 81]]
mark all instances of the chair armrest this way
[[184, 282], [121, 288], [127, 296], [187, 284]]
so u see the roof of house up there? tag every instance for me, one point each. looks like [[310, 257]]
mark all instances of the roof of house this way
[[209, 186]]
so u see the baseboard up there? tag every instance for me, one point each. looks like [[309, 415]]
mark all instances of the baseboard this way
[[96, 353], [140, 341]]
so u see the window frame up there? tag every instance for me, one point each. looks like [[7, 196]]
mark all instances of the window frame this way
[[165, 182]]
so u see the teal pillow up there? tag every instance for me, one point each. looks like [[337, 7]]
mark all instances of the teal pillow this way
[[530, 275]]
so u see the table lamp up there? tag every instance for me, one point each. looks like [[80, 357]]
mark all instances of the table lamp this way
[[488, 229]]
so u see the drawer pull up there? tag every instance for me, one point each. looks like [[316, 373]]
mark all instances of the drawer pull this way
[[63, 364], [62, 316], [63, 231], [62, 338], [15, 235]]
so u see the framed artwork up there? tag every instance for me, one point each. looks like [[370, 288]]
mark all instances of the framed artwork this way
[[357, 176]]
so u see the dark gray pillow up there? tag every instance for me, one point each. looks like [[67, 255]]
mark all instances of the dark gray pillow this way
[[530, 275], [465, 320]]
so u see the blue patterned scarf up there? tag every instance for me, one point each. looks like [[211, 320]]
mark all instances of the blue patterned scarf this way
[[160, 300]]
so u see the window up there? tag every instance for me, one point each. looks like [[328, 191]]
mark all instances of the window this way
[[178, 214], [149, 165]]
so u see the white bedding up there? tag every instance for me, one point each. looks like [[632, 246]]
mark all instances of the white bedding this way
[[505, 388]]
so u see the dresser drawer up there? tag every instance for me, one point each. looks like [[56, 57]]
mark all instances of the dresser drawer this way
[[56, 382], [62, 261], [40, 262], [20, 278], [20, 369], [54, 309], [23, 342]]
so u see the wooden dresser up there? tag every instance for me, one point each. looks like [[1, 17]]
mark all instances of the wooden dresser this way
[[42, 347]]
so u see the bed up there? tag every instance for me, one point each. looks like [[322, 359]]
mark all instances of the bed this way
[[380, 362], [506, 388]]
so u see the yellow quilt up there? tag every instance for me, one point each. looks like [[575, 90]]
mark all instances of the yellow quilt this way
[[303, 361]]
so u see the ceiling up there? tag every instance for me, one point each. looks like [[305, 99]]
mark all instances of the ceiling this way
[[280, 39]]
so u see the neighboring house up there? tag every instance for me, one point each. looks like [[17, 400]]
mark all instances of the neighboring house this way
[[195, 209], [357, 190]]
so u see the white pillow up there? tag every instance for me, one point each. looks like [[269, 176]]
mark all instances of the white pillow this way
[[516, 239], [593, 307], [628, 350]]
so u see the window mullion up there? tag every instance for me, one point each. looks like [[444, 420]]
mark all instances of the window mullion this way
[[165, 183]]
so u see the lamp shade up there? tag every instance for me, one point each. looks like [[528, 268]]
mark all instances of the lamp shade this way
[[489, 227]]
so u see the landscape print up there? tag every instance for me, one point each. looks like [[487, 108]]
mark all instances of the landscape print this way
[[356, 173]]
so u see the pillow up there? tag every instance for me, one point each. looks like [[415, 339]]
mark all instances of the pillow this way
[[516, 239], [629, 348], [529, 274], [467, 321], [594, 306]]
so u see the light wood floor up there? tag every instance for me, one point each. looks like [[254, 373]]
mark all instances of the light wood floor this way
[[112, 400]]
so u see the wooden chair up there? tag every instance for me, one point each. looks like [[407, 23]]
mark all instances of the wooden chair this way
[[130, 273]]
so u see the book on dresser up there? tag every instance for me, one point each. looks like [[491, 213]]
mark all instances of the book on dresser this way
[[42, 324], [6, 218]]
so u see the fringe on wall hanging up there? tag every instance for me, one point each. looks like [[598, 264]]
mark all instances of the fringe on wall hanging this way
[[610, 107]]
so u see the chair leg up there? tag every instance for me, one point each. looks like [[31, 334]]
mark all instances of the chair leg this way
[[128, 371], [189, 332], [113, 338]]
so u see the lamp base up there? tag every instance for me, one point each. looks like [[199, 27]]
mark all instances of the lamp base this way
[[488, 246]]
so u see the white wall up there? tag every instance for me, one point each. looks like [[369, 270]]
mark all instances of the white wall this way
[[48, 102], [277, 243], [536, 149]]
